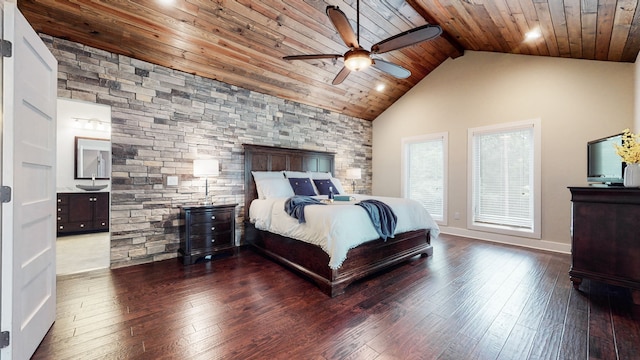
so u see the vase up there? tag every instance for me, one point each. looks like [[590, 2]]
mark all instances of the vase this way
[[632, 175]]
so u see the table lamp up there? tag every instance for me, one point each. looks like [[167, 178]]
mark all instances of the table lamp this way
[[354, 174], [205, 168]]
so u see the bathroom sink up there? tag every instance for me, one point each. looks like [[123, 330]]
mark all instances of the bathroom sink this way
[[91, 187]]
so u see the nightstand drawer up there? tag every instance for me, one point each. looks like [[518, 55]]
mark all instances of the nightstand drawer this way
[[218, 239], [212, 216], [208, 228]]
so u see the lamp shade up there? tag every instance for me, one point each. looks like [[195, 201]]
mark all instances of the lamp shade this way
[[205, 167], [354, 173]]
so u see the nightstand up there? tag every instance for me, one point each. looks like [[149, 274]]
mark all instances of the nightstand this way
[[208, 230]]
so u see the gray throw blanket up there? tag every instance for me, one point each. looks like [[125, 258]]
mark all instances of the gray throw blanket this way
[[382, 217], [294, 206]]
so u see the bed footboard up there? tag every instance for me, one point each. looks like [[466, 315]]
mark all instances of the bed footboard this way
[[311, 261]]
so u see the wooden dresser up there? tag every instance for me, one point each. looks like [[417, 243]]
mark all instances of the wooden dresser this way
[[208, 230], [605, 236], [82, 212]]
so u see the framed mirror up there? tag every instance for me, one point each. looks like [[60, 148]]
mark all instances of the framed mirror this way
[[93, 158]]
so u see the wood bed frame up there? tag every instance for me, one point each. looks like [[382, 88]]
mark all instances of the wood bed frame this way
[[308, 259]]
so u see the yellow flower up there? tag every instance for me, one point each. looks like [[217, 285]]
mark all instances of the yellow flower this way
[[629, 151]]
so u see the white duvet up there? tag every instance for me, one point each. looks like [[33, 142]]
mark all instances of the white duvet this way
[[340, 226]]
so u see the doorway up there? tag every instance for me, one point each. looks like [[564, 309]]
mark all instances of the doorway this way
[[77, 249]]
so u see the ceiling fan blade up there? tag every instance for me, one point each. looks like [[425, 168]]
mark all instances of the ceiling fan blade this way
[[342, 25], [391, 69], [407, 38], [341, 76], [312, 56]]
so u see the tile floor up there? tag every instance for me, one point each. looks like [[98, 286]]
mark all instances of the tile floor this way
[[80, 253]]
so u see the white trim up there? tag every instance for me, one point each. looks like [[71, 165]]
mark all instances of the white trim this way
[[509, 240], [536, 232], [404, 187]]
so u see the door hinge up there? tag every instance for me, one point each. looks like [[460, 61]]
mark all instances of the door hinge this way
[[5, 194], [4, 339], [5, 48]]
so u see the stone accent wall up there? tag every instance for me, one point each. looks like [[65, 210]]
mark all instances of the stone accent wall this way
[[163, 119]]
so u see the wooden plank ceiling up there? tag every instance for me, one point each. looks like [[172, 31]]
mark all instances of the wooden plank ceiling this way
[[242, 42]]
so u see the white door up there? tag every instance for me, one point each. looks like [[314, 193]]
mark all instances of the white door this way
[[28, 167]]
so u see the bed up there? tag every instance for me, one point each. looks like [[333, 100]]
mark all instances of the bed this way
[[311, 260]]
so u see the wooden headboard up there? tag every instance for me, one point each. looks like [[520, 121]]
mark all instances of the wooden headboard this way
[[268, 158]]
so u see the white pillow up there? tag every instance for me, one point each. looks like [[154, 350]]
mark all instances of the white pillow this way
[[296, 174], [261, 175], [274, 188], [338, 186], [320, 175]]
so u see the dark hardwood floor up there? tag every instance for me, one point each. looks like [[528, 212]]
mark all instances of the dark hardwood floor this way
[[471, 300]]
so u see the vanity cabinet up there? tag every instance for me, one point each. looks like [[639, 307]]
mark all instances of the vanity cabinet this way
[[83, 212]]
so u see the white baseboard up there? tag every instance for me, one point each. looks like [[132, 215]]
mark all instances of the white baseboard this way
[[507, 239]]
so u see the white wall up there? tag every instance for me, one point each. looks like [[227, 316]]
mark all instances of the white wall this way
[[637, 94], [576, 100], [68, 111]]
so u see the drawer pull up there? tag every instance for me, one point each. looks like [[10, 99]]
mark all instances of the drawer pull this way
[[213, 240], [61, 227], [81, 225], [213, 217], [59, 218], [59, 209], [59, 200], [213, 228], [103, 224]]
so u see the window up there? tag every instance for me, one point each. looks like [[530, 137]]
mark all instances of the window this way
[[505, 178], [424, 172]]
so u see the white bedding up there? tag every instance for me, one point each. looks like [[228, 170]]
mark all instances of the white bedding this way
[[340, 226]]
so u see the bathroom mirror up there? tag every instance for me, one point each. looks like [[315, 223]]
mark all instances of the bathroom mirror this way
[[93, 158]]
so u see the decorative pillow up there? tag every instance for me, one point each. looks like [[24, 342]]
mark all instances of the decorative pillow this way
[[324, 185], [274, 188], [296, 174], [338, 185], [302, 186], [320, 175]]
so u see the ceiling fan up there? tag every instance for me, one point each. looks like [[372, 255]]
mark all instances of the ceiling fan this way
[[357, 58]]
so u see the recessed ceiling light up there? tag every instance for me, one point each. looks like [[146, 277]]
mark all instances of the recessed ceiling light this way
[[532, 35], [166, 2], [380, 87]]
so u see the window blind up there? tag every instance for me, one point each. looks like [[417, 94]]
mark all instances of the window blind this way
[[503, 169], [425, 175]]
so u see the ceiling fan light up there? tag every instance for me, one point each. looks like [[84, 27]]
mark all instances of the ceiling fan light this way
[[357, 60]]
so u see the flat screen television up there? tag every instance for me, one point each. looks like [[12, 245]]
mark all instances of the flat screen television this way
[[603, 164]]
